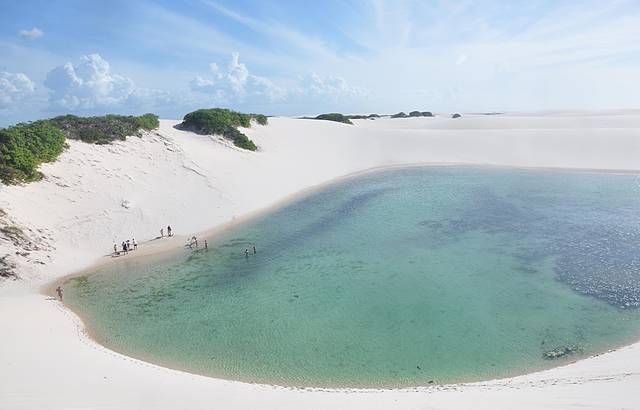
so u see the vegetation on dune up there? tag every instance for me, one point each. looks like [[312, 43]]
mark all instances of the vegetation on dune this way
[[420, 114], [7, 268], [23, 147], [456, 115], [413, 114], [346, 119], [363, 117], [223, 122], [104, 129], [148, 121], [334, 116]]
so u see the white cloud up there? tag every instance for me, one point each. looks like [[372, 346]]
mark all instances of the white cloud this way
[[14, 87], [328, 87], [87, 85], [31, 34], [202, 84], [91, 85], [235, 84]]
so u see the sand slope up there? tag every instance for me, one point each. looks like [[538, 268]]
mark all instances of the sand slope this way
[[95, 195]]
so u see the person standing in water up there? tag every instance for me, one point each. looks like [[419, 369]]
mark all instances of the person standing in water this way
[[168, 230], [59, 292], [246, 253], [206, 246], [254, 249]]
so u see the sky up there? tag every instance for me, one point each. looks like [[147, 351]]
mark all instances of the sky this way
[[300, 58]]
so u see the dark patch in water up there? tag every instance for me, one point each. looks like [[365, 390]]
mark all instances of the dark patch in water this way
[[604, 263], [598, 258]]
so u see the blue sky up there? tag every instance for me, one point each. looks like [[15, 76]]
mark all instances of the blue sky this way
[[296, 57]]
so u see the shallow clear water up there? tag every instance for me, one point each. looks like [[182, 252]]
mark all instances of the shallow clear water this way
[[396, 278]]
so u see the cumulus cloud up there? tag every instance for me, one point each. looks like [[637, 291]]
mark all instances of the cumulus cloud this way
[[328, 87], [92, 85], [235, 83], [31, 34], [203, 84], [14, 87]]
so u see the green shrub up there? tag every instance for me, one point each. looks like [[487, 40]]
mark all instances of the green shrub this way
[[25, 146], [363, 117], [334, 116], [104, 129], [260, 119], [420, 114], [222, 121], [148, 121], [456, 115], [413, 114]]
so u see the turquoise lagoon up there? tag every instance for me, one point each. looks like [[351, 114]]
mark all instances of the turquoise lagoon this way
[[397, 278]]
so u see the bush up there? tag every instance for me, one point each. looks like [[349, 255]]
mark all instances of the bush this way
[[104, 129], [456, 115], [223, 122], [413, 114], [148, 121], [260, 119], [363, 117], [334, 116], [25, 146]]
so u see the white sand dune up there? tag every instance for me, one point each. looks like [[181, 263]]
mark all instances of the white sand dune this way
[[95, 195]]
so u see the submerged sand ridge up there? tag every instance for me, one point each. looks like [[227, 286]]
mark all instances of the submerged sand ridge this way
[[95, 195]]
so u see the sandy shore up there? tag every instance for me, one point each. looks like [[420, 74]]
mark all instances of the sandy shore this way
[[97, 195]]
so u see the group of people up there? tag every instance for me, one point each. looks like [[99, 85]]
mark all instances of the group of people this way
[[194, 242], [128, 245]]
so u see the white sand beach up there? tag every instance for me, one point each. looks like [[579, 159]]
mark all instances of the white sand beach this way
[[98, 195]]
